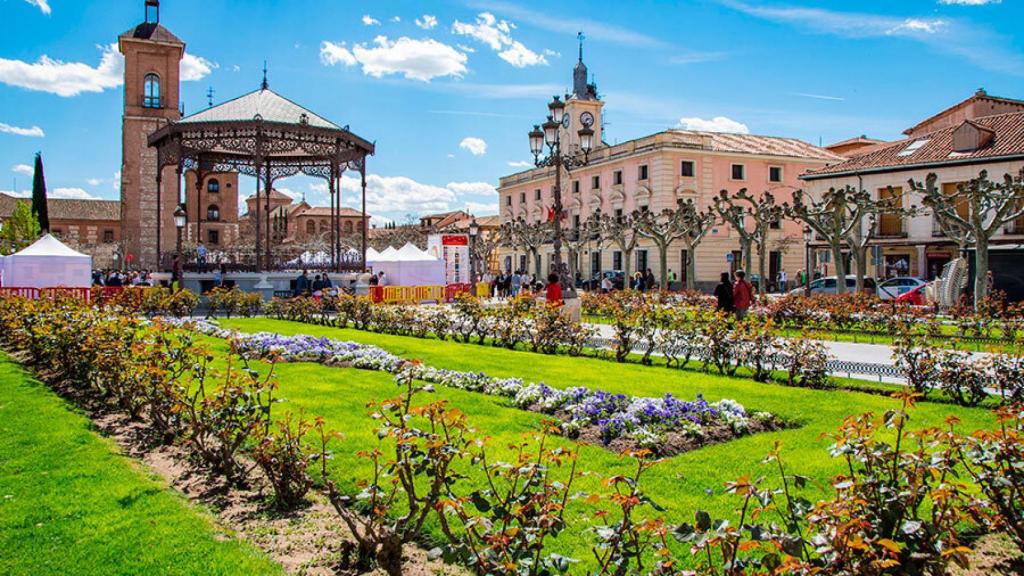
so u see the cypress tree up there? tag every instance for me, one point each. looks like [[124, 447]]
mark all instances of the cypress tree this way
[[39, 195]]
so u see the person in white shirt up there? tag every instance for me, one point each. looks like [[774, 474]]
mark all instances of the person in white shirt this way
[[606, 285], [782, 281]]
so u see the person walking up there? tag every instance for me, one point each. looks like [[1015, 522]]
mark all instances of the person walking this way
[[782, 281], [742, 294], [638, 281], [302, 284], [517, 283], [650, 283], [201, 256], [723, 295]]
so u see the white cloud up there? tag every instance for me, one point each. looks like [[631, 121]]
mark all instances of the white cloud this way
[[716, 124], [34, 131], [43, 5], [552, 53], [289, 193], [465, 48], [520, 164], [979, 46], [476, 146], [370, 20], [565, 23], [236, 68], [194, 68], [481, 208], [94, 181], [23, 169], [415, 59], [427, 22], [497, 34], [472, 188], [969, 2], [451, 155], [116, 181], [396, 18], [60, 193], [73, 78], [400, 195], [65, 78], [918, 25], [818, 96]]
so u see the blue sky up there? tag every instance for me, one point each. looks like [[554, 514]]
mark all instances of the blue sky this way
[[448, 90]]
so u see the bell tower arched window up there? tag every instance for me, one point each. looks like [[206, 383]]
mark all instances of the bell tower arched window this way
[[151, 91], [213, 213], [213, 186]]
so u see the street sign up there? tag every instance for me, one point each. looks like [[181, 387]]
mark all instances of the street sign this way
[[728, 257]]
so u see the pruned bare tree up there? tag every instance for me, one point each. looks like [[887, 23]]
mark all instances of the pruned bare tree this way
[[483, 248], [620, 231], [990, 206], [868, 212], [831, 217], [761, 213], [529, 237], [685, 222], [399, 236]]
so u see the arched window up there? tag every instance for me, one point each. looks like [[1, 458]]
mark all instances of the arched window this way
[[213, 186], [323, 226], [310, 227], [348, 227], [213, 213], [151, 91]]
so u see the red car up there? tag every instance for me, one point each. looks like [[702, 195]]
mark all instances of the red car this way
[[914, 297]]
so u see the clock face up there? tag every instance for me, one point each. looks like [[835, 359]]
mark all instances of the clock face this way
[[587, 119], [565, 121]]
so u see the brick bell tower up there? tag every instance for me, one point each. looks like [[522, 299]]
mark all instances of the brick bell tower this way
[[152, 56]]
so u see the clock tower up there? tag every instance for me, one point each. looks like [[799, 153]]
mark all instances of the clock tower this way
[[582, 107], [152, 57]]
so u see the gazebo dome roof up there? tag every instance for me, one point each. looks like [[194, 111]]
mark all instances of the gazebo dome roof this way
[[263, 103]]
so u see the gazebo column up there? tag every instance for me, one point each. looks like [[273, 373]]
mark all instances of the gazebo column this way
[[159, 212], [256, 227], [199, 203], [269, 186], [335, 256], [365, 224]]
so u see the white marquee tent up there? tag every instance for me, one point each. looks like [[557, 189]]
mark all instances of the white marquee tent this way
[[47, 263], [409, 266]]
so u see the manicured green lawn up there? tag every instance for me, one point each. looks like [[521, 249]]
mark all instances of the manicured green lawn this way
[[683, 483], [70, 504]]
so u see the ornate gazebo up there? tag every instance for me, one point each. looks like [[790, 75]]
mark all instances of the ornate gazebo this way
[[265, 135]]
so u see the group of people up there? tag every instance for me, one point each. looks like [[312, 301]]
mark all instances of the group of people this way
[[121, 278], [644, 281], [735, 296], [320, 284], [505, 285]]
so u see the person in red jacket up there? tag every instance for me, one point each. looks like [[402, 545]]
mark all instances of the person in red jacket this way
[[742, 294], [554, 291]]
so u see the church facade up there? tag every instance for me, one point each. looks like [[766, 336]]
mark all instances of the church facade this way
[[152, 60]]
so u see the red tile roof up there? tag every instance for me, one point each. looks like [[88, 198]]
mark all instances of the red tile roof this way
[[936, 149]]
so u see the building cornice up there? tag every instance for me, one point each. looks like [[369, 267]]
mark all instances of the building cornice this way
[[912, 167]]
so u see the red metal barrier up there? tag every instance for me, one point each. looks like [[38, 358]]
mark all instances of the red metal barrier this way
[[30, 293], [453, 290], [377, 294]]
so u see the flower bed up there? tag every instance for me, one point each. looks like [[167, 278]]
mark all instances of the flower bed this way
[[667, 425]]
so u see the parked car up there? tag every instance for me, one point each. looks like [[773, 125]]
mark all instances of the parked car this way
[[915, 296], [827, 285], [895, 287]]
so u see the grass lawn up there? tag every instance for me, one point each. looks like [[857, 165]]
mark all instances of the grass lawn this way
[[70, 504], [683, 483]]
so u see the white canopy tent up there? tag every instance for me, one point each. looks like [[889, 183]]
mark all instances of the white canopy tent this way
[[47, 263], [371, 255], [409, 266]]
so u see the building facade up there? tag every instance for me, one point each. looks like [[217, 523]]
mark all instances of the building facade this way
[[299, 223], [653, 173], [956, 145], [92, 227]]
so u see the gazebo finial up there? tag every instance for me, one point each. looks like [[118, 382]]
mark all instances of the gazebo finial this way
[[264, 85]]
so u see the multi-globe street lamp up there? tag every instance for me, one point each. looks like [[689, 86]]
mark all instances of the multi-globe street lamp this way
[[474, 231], [549, 134], [180, 219]]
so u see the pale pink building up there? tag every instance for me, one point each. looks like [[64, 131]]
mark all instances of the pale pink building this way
[[654, 172]]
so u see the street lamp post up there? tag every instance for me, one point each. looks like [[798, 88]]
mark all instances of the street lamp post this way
[[474, 230], [808, 235], [180, 218], [558, 159]]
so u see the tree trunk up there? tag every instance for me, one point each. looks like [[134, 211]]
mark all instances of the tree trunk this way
[[663, 262], [840, 268], [536, 265], [980, 268], [389, 557], [691, 268], [627, 259], [745, 256], [762, 281], [860, 255]]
